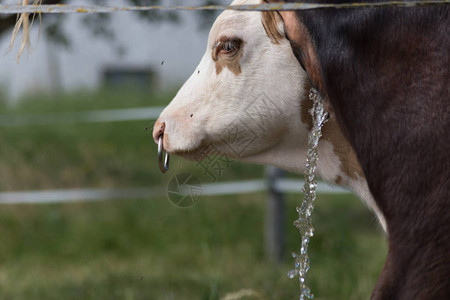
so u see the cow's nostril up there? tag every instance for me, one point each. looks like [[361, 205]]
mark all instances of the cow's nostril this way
[[192, 115], [158, 130]]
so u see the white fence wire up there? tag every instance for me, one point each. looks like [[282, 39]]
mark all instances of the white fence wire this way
[[212, 189], [64, 9]]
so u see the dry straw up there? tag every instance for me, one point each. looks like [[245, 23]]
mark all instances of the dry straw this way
[[23, 22]]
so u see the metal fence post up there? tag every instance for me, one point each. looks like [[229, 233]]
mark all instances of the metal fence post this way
[[275, 216]]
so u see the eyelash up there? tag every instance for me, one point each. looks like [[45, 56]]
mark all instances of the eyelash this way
[[228, 46]]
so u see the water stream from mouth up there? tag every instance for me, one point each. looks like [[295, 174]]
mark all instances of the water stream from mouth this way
[[304, 221]]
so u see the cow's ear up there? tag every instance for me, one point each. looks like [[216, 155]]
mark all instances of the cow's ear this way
[[273, 25]]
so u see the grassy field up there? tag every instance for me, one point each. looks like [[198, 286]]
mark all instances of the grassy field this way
[[148, 248]]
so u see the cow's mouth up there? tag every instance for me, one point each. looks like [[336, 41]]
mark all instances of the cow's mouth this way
[[196, 154]]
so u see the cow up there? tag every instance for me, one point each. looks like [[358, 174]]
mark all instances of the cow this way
[[385, 74], [248, 100]]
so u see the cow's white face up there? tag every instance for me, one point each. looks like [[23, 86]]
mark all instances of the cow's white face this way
[[244, 98]]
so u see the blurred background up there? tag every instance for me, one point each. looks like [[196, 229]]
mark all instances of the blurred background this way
[[84, 209]]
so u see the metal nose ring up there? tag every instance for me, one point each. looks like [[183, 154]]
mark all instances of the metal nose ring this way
[[163, 166]]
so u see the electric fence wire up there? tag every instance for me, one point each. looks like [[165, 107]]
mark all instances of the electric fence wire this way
[[70, 9]]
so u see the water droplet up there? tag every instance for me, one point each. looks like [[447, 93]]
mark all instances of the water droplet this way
[[292, 273]]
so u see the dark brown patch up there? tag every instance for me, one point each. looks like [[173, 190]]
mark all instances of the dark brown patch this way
[[389, 88], [304, 48], [270, 21], [227, 59]]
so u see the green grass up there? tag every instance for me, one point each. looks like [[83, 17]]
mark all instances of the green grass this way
[[150, 249], [85, 100]]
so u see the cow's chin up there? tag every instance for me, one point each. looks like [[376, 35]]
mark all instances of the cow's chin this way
[[207, 147], [198, 153], [192, 155], [190, 151], [202, 151]]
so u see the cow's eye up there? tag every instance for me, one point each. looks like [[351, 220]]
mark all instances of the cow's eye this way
[[228, 45]]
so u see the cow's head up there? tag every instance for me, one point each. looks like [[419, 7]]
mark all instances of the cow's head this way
[[244, 98], [248, 100]]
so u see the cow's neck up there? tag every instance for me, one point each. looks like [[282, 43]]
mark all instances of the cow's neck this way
[[338, 164], [337, 161]]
